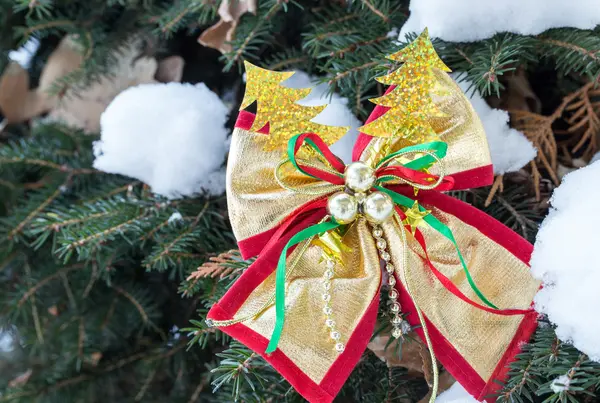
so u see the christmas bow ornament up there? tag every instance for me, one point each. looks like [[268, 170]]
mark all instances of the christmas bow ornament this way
[[323, 231]]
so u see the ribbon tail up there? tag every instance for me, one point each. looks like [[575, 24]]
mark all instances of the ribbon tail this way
[[280, 277]]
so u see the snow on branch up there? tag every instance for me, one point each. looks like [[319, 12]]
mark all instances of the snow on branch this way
[[565, 259], [473, 20], [510, 149], [170, 136]]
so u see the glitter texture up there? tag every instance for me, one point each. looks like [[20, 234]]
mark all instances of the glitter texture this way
[[276, 105], [410, 100]]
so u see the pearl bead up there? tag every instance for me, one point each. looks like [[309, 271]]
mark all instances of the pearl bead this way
[[343, 207], [378, 207], [339, 347], [360, 177]]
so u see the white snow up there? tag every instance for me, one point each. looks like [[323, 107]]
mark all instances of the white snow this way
[[176, 216], [560, 384], [473, 20], [565, 258], [336, 113], [455, 394], [509, 148], [25, 53], [7, 341], [170, 136], [595, 158]]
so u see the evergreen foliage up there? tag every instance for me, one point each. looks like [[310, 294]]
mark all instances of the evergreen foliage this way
[[103, 285]]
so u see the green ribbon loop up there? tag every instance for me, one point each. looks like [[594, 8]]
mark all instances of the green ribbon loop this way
[[438, 148], [280, 277], [445, 231]]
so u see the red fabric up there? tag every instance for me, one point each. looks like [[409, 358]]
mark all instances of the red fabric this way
[[234, 298]]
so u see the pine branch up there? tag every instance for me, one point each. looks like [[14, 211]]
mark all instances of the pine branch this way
[[573, 51], [252, 32]]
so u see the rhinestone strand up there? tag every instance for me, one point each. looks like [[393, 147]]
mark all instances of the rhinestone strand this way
[[327, 310], [399, 326]]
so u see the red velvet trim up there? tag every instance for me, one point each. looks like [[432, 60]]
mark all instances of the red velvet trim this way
[[234, 298], [474, 178], [252, 246], [245, 119], [527, 327]]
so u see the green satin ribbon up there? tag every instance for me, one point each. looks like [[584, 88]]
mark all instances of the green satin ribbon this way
[[303, 235], [438, 148]]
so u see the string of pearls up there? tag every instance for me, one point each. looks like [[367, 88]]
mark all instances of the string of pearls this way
[[400, 327], [327, 310]]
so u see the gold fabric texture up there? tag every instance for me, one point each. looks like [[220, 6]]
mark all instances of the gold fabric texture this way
[[256, 202], [480, 337], [305, 338], [461, 129]]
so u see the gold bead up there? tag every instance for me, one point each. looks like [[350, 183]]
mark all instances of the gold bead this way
[[360, 177], [378, 207], [343, 207]]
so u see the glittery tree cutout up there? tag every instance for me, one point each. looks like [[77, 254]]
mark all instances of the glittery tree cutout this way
[[276, 105], [410, 102]]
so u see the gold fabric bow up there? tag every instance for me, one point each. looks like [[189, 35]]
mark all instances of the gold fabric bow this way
[[472, 343]]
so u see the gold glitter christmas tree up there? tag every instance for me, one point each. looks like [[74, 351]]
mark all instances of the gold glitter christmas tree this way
[[276, 105], [410, 101]]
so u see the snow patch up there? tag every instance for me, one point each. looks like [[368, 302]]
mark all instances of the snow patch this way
[[509, 148], [25, 53], [171, 136], [337, 112], [455, 394], [176, 216], [565, 259], [7, 341], [560, 384], [474, 20]]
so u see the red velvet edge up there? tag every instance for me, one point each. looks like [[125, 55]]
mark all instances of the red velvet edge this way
[[447, 354], [341, 368]]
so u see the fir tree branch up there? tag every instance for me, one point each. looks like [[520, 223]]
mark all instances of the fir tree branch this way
[[37, 210], [375, 11], [354, 70], [32, 290]]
